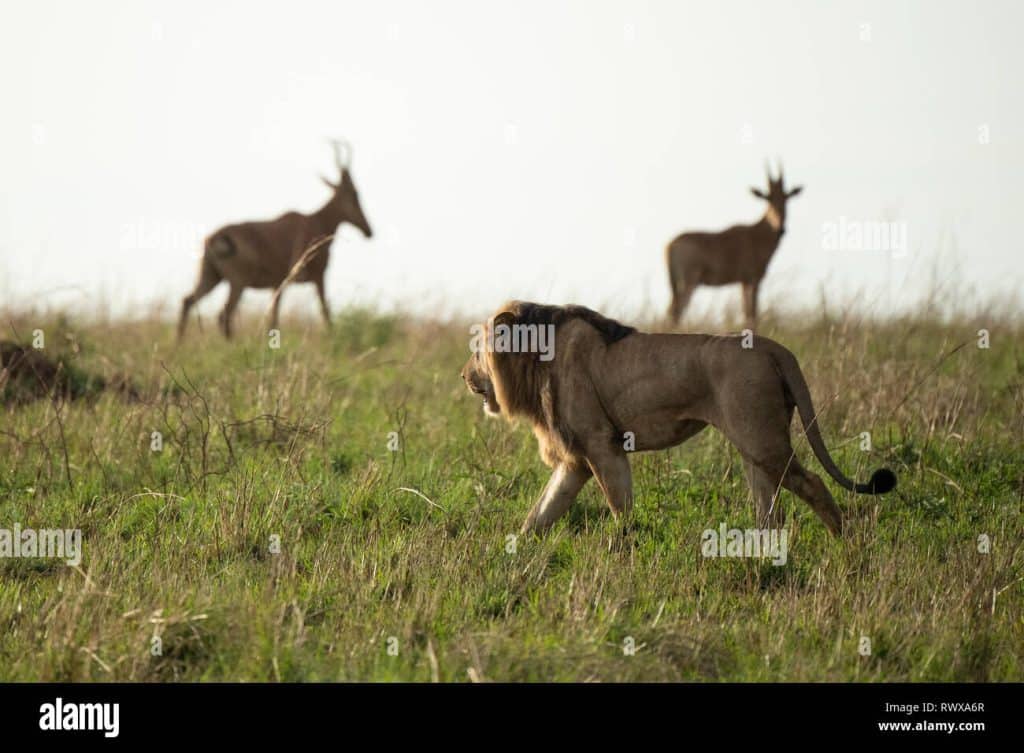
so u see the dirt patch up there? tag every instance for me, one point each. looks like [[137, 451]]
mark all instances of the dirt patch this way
[[27, 374]]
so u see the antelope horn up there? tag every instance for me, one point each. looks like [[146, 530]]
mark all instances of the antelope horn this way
[[778, 161], [342, 147], [768, 170]]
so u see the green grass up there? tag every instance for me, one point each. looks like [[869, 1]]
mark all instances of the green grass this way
[[293, 443]]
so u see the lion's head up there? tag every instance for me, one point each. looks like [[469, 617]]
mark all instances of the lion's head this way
[[478, 381]]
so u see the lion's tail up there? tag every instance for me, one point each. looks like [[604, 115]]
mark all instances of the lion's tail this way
[[882, 480]]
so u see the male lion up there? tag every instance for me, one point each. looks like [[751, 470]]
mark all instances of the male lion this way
[[607, 388]]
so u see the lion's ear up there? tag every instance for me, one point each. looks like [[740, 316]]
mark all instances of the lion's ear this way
[[505, 317]]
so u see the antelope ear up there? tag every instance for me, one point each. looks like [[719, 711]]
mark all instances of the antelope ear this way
[[794, 192], [758, 193]]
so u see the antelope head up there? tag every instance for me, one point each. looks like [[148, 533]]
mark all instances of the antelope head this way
[[776, 197], [345, 201]]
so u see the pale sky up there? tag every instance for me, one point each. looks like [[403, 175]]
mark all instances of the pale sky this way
[[542, 150]]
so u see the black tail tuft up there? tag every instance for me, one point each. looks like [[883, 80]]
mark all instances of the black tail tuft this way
[[883, 480]]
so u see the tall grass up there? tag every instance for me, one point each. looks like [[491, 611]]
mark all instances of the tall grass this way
[[397, 564]]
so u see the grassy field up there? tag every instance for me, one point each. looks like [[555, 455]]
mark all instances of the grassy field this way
[[395, 564]]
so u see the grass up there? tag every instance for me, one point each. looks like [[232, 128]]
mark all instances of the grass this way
[[397, 565]]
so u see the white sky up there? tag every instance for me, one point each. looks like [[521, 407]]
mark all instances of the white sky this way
[[538, 150]]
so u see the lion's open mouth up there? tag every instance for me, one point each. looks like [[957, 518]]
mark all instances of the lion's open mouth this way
[[491, 406]]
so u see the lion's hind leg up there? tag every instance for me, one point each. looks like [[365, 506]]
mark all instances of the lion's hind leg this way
[[802, 483], [812, 490], [563, 486], [760, 431], [765, 488]]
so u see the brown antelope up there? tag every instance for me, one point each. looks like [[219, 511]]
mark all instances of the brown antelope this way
[[738, 254], [261, 254]]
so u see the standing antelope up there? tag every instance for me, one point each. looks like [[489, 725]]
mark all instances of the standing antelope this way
[[738, 254], [262, 254]]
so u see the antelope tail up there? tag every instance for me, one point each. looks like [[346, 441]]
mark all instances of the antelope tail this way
[[220, 247], [881, 481], [672, 277]]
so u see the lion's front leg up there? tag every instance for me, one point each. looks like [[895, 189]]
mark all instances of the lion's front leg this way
[[563, 486], [611, 469]]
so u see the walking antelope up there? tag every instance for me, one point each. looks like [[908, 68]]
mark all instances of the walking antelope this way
[[262, 254], [738, 254]]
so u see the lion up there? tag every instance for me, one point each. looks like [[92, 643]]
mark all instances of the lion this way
[[607, 389]]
